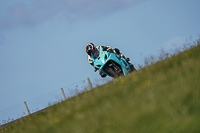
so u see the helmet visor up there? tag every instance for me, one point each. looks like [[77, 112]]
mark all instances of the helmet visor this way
[[95, 53]]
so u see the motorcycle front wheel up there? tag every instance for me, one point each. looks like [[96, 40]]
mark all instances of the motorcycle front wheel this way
[[111, 72]]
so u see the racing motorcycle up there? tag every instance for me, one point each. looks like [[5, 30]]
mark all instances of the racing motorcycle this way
[[110, 63]]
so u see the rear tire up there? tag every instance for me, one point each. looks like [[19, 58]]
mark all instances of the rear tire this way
[[132, 67]]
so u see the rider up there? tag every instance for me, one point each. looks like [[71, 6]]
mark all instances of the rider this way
[[92, 51]]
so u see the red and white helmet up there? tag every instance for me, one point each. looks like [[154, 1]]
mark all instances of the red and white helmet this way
[[89, 48]]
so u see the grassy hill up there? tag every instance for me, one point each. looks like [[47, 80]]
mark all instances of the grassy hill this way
[[160, 98]]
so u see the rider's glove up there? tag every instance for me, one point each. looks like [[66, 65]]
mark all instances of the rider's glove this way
[[127, 59]]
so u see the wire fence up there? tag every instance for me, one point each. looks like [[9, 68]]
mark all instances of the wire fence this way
[[12, 113], [33, 105]]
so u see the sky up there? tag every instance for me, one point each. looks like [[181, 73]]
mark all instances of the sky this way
[[42, 42]]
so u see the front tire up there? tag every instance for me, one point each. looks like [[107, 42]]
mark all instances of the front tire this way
[[111, 72]]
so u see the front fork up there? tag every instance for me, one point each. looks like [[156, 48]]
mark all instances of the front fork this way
[[116, 67]]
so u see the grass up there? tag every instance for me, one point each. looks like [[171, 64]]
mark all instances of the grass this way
[[160, 98]]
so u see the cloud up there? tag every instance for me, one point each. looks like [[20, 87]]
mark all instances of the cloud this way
[[37, 11]]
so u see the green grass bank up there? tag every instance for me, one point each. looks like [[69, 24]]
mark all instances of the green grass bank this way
[[160, 98]]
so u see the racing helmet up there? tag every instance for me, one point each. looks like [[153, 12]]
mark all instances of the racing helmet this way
[[92, 50], [89, 48]]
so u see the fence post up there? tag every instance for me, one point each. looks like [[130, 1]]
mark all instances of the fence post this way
[[89, 83], [152, 59], [63, 94], [27, 108]]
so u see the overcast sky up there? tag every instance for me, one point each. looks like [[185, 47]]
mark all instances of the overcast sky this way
[[42, 42]]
